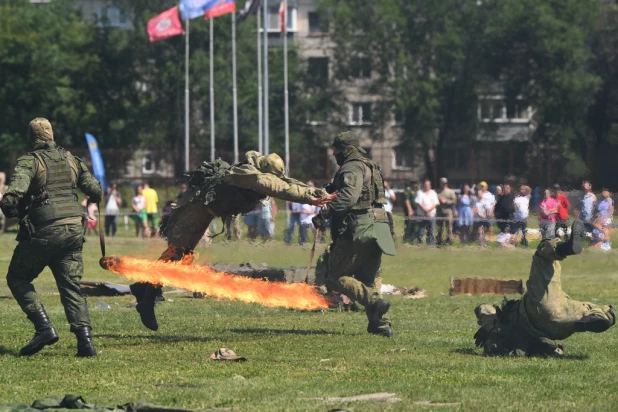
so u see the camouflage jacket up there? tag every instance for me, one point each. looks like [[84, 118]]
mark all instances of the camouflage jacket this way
[[27, 168], [247, 176]]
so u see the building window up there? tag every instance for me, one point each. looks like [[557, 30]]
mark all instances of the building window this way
[[113, 17], [318, 70], [402, 159], [274, 24], [317, 25], [359, 114], [457, 159], [147, 164], [399, 116], [360, 68], [495, 109]]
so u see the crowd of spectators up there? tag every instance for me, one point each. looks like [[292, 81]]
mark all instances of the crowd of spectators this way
[[476, 212]]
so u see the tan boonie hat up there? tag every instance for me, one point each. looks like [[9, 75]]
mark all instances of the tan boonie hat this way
[[226, 354]]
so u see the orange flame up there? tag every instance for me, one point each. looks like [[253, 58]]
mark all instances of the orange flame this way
[[219, 284]]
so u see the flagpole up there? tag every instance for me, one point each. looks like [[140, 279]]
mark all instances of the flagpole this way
[[285, 85], [212, 93], [187, 97], [259, 60], [234, 94], [266, 142]]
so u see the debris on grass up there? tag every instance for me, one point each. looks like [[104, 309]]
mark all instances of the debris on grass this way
[[225, 354], [388, 352], [410, 293], [102, 305], [432, 403], [372, 397], [238, 378], [103, 289]]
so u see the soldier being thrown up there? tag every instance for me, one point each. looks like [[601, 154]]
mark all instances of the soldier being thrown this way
[[43, 195], [219, 190], [361, 231], [530, 326]]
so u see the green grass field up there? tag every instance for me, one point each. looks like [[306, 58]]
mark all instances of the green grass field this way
[[296, 356]]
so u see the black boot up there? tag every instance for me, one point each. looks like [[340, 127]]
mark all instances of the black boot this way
[[85, 348], [573, 246], [377, 326], [44, 335], [145, 307]]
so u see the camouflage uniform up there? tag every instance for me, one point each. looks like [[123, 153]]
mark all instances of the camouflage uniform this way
[[531, 325], [361, 231], [42, 191], [445, 215], [219, 190], [410, 228]]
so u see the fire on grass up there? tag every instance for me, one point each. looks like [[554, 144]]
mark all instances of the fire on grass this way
[[218, 284]]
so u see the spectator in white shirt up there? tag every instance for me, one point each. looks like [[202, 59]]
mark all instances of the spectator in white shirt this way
[[390, 196], [427, 200], [522, 210]]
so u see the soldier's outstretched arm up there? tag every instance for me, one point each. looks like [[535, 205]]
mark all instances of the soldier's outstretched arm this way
[[87, 183], [20, 180], [271, 185]]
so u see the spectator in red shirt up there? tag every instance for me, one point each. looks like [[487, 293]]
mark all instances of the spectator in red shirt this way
[[563, 211]]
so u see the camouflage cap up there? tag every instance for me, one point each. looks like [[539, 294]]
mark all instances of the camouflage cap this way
[[272, 164], [40, 131], [347, 139]]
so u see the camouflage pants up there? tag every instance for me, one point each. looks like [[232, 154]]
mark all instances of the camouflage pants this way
[[410, 230], [60, 248], [547, 307], [232, 228], [445, 224], [352, 272]]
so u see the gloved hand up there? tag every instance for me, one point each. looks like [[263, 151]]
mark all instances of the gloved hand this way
[[319, 222], [9, 210]]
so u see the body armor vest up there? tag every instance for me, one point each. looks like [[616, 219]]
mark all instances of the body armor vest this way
[[372, 194], [52, 193]]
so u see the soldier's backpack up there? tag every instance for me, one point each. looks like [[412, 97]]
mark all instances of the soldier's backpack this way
[[207, 186]]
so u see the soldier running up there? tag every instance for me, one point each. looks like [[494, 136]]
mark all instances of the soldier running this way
[[361, 231], [43, 195]]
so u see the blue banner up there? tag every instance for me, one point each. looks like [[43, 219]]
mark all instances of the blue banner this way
[[97, 161], [190, 9]]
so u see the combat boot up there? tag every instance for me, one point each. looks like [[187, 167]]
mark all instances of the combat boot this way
[[573, 246], [377, 325], [44, 335], [85, 348], [146, 306]]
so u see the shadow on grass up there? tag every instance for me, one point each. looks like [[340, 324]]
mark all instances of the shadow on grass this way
[[472, 352], [4, 351], [156, 338], [265, 331]]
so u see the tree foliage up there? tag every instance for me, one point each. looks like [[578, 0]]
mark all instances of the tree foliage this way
[[433, 59]]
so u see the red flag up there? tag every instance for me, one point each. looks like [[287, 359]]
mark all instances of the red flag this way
[[219, 7], [283, 11], [165, 25]]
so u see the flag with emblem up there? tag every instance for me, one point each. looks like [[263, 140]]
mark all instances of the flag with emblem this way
[[165, 25]]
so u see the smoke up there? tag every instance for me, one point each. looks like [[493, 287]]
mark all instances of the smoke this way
[[218, 284]]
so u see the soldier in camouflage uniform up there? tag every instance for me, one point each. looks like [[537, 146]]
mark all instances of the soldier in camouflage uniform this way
[[219, 190], [410, 211], [361, 231], [531, 325], [43, 195]]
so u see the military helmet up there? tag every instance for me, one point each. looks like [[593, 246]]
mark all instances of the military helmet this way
[[40, 131], [272, 164], [347, 139]]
